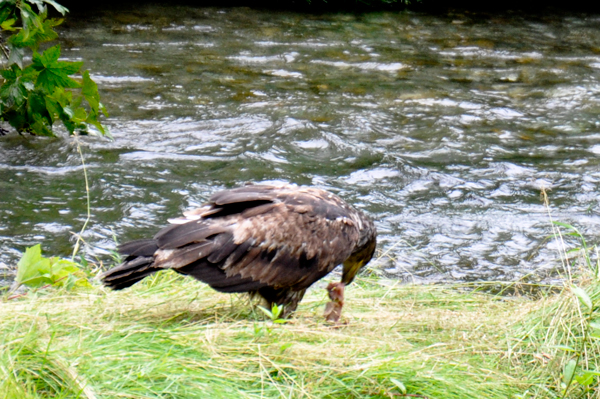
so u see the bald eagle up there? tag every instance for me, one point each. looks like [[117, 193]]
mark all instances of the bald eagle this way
[[266, 240]]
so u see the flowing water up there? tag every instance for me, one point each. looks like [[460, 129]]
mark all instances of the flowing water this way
[[444, 128]]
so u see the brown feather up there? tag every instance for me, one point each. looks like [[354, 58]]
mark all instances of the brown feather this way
[[176, 258], [237, 254], [224, 245], [241, 266], [243, 194], [180, 235], [136, 248], [258, 210]]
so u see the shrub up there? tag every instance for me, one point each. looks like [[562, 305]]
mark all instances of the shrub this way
[[35, 96]]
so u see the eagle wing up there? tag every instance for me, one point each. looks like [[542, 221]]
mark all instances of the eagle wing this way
[[258, 236]]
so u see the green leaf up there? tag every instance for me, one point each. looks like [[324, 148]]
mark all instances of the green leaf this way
[[42, 3], [101, 128], [36, 28], [266, 311], [38, 3], [64, 270], [276, 311], [8, 24], [39, 126], [25, 266], [47, 32], [37, 108], [285, 346], [28, 17], [12, 73], [54, 73], [566, 226], [583, 296], [592, 372], [57, 7], [7, 8], [16, 55], [35, 271], [79, 115], [399, 385], [16, 118], [585, 379], [564, 348], [13, 92], [60, 103], [69, 112], [61, 268], [46, 58], [568, 371], [89, 89]]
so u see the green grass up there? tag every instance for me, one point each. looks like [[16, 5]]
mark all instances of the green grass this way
[[172, 337], [175, 338]]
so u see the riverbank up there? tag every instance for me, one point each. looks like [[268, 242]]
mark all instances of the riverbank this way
[[171, 337]]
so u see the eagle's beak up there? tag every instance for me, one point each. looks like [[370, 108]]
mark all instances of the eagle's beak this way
[[350, 270], [357, 260]]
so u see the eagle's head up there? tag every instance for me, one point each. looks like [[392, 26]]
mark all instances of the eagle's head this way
[[363, 252]]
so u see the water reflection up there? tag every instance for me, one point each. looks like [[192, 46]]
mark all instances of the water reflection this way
[[444, 128]]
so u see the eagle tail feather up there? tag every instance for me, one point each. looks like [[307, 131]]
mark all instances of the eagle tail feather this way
[[138, 264], [144, 247]]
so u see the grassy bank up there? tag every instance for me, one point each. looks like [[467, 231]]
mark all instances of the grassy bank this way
[[171, 337]]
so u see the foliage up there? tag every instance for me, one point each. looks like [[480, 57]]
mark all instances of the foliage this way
[[33, 97], [562, 339], [35, 271]]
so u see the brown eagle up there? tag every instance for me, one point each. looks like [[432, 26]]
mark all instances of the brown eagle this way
[[274, 241]]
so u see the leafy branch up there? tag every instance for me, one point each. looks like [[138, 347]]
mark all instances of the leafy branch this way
[[33, 97]]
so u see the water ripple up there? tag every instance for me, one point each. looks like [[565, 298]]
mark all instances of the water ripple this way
[[444, 132]]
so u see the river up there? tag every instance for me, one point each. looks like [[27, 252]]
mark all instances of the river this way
[[444, 128]]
